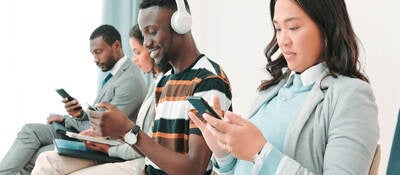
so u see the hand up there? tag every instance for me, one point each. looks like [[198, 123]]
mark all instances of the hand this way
[[237, 135], [55, 118], [112, 122], [94, 145], [73, 107], [211, 140]]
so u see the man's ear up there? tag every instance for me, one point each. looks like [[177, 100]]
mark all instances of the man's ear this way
[[116, 45]]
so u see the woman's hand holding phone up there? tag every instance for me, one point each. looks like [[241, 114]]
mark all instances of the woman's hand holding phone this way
[[212, 141]]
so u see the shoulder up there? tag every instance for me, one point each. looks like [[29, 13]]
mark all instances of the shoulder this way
[[131, 78], [347, 85], [210, 71], [351, 96]]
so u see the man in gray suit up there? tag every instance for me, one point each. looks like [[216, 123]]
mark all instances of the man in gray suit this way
[[124, 87]]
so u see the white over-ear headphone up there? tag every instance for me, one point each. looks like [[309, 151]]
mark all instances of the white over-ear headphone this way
[[181, 21]]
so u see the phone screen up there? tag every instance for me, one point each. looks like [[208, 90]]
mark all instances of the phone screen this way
[[64, 94], [202, 106], [93, 108]]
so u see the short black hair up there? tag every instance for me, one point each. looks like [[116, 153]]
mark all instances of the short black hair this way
[[109, 33], [136, 33], [171, 4]]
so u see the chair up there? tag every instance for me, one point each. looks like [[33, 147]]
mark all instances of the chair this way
[[373, 170]]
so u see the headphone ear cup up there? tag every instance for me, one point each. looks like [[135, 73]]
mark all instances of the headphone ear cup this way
[[181, 22]]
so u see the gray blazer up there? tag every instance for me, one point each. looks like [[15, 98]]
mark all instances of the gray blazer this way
[[335, 131], [126, 90]]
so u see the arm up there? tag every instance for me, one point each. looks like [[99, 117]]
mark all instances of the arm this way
[[352, 137], [127, 94], [194, 162], [118, 125]]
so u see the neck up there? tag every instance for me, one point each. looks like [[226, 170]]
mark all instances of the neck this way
[[187, 55], [120, 55]]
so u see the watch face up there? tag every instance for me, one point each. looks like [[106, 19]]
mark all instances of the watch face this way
[[130, 138]]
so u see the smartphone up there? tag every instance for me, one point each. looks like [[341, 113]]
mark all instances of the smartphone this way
[[202, 106], [64, 94], [92, 107]]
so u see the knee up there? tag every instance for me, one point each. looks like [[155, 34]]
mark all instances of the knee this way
[[30, 127], [34, 128], [29, 131], [42, 163]]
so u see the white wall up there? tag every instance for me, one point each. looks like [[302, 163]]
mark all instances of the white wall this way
[[44, 45], [235, 33], [48, 40]]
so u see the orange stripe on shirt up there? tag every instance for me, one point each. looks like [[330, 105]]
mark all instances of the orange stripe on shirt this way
[[183, 82], [170, 135]]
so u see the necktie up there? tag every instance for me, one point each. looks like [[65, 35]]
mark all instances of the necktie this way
[[106, 79]]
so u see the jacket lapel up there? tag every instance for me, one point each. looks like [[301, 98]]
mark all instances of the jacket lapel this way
[[296, 126], [264, 96], [115, 77]]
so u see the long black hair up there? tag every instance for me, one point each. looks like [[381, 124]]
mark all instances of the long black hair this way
[[340, 49]]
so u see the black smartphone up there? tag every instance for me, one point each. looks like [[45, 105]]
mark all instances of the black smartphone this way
[[93, 108], [202, 106], [64, 94]]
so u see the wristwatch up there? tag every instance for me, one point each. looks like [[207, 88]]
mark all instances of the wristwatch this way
[[131, 137]]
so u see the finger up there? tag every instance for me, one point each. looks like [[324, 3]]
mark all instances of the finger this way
[[97, 132], [216, 133], [234, 118], [70, 103], [64, 100], [219, 124], [200, 124], [105, 105], [88, 144], [95, 115], [49, 121], [74, 108], [95, 123], [216, 103]]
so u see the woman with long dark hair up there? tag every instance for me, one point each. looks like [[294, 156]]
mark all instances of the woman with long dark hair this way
[[316, 115]]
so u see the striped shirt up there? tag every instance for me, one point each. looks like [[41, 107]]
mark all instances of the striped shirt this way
[[172, 125]]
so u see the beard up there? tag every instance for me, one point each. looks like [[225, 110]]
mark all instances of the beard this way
[[108, 65], [163, 65]]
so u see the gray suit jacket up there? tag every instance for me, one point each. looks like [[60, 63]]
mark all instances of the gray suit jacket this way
[[335, 131], [126, 90]]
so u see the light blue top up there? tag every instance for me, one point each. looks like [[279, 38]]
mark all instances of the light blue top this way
[[273, 119], [334, 130]]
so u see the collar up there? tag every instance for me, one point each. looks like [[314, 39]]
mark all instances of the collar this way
[[118, 65], [309, 76]]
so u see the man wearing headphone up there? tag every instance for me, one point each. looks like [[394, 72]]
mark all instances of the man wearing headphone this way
[[176, 145]]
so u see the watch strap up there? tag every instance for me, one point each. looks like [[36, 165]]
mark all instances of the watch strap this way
[[135, 130]]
